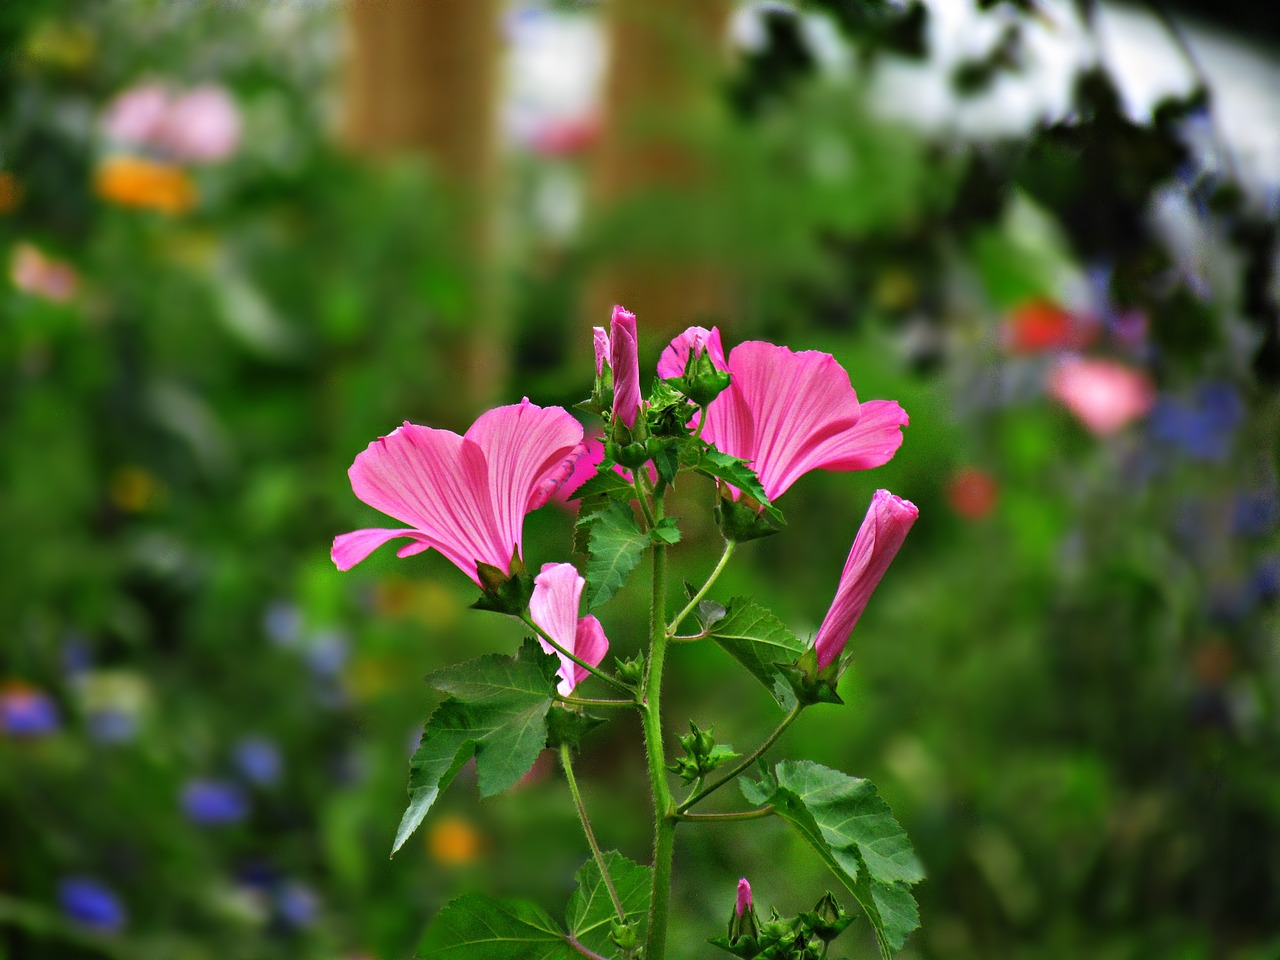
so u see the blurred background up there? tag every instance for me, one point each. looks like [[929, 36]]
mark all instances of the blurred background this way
[[240, 241]]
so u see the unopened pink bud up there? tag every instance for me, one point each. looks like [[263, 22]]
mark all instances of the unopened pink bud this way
[[600, 340], [744, 897], [625, 360]]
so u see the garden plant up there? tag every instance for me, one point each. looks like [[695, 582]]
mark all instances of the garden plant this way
[[752, 422]]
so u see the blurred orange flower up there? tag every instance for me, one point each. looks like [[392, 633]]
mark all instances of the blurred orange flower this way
[[136, 182], [133, 489], [10, 192], [453, 841], [972, 493]]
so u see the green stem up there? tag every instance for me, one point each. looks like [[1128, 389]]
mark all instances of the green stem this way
[[747, 761], [566, 761], [585, 702], [766, 811], [696, 599], [664, 824], [643, 498], [618, 684]]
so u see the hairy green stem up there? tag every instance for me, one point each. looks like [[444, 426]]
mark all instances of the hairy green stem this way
[[747, 761], [664, 824], [696, 599], [586, 702], [765, 811], [613, 682], [566, 760]]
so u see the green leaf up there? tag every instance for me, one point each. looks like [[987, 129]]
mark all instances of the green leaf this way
[[591, 914], [607, 481], [757, 639], [666, 531], [569, 726], [737, 472], [851, 828], [496, 712], [615, 546], [476, 927]]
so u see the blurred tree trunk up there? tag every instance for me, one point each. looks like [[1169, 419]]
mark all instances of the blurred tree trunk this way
[[664, 59], [423, 78]]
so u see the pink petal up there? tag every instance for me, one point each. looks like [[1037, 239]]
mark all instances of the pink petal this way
[[590, 645], [699, 340], [202, 125], [136, 116], [600, 342], [744, 897], [567, 473], [557, 590], [871, 442], [523, 445], [584, 468], [625, 360], [1103, 394], [437, 482], [879, 538], [350, 548]]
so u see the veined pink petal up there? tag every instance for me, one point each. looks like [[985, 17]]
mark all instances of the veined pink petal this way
[[871, 442], [600, 341], [879, 538], [557, 590], [567, 473], [350, 548], [699, 340], [584, 468], [464, 496], [625, 360], [523, 445]]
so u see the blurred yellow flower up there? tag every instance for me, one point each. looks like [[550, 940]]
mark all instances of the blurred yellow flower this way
[[10, 192], [137, 182], [133, 489], [368, 677], [452, 841]]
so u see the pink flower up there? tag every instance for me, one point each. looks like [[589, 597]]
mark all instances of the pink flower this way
[[465, 496], [625, 360], [202, 125], [557, 591], [34, 273], [136, 116], [877, 543], [787, 413], [744, 897], [1103, 394]]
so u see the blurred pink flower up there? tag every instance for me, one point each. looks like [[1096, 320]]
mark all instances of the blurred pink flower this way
[[557, 591], [566, 137], [136, 117], [624, 357], [466, 496], [879, 538], [787, 413], [1103, 394], [202, 125], [34, 273]]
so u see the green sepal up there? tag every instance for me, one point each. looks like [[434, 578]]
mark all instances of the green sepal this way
[[827, 920], [630, 672], [668, 412], [808, 683], [633, 456], [702, 754], [742, 520], [568, 727], [666, 459], [504, 593]]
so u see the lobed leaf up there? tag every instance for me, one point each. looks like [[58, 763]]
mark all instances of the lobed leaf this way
[[591, 915], [614, 547], [496, 712], [757, 639], [476, 927]]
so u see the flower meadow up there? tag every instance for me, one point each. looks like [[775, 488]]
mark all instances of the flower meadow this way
[[895, 573]]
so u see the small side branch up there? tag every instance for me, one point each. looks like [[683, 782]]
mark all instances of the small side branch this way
[[765, 811], [567, 761], [747, 761]]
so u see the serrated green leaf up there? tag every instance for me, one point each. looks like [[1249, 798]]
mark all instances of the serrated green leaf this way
[[614, 547], [666, 531], [738, 473], [568, 727], [758, 640], [496, 712], [591, 914], [607, 481], [845, 822], [476, 927]]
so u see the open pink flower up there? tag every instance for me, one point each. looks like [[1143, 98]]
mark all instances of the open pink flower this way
[[557, 591], [787, 413], [135, 117], [624, 357], [466, 496], [1103, 394], [877, 543], [202, 125]]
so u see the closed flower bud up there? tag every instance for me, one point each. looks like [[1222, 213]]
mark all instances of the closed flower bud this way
[[743, 921]]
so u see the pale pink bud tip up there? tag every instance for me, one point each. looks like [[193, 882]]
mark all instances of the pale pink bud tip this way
[[744, 897], [625, 360]]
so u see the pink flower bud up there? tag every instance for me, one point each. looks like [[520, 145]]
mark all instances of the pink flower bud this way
[[625, 360], [744, 897], [600, 340], [877, 543]]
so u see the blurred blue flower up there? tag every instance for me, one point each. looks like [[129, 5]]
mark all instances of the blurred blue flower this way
[[110, 725], [1266, 578], [327, 652], [1257, 513], [76, 658], [1203, 427], [297, 905], [258, 760], [27, 712], [214, 802], [282, 623], [91, 904]]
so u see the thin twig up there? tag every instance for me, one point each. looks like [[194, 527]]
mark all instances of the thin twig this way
[[729, 546], [746, 762], [567, 761], [764, 811]]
